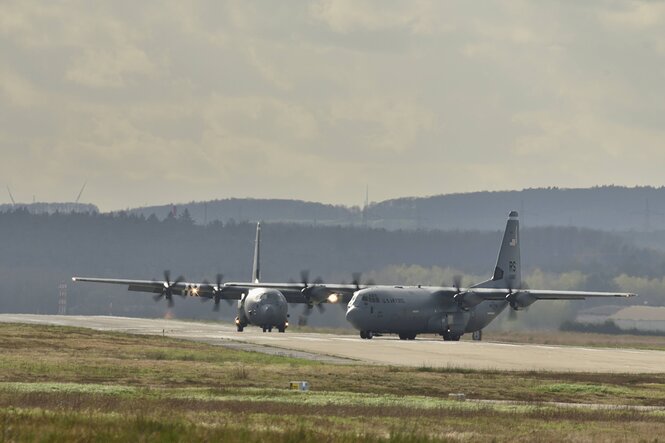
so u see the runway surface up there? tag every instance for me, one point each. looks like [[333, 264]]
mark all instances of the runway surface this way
[[381, 350]]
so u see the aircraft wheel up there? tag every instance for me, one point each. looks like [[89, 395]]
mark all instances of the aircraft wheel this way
[[412, 337], [282, 329], [265, 329], [369, 335], [455, 337], [363, 335], [477, 335], [240, 328], [446, 336], [403, 336], [270, 329]]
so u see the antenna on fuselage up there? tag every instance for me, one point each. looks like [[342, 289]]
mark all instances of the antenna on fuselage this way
[[256, 268]]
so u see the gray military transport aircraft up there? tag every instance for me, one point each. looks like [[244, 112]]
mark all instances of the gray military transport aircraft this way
[[374, 309], [263, 307]]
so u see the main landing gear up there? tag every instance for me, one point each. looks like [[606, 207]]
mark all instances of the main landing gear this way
[[407, 336], [281, 328], [477, 335], [366, 335]]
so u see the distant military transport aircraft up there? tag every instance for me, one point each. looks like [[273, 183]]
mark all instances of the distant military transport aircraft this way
[[375, 309]]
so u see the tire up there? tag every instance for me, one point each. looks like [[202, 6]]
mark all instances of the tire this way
[[404, 336], [369, 335], [240, 328], [477, 335], [363, 335]]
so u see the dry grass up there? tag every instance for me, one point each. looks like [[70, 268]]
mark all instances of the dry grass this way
[[69, 384], [565, 338]]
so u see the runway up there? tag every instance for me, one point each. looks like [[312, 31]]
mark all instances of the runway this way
[[381, 350]]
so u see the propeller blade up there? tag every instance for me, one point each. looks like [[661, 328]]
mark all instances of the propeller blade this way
[[457, 282], [304, 277], [170, 299], [158, 297], [167, 277], [356, 280], [321, 308], [512, 315]]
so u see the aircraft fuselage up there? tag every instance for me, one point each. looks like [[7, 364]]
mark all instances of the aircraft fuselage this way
[[266, 308], [409, 311]]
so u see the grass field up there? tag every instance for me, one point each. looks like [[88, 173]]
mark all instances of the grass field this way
[[70, 384]]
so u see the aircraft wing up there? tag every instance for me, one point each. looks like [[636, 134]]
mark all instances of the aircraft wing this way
[[303, 293], [572, 295], [182, 288], [151, 286], [540, 294], [523, 297]]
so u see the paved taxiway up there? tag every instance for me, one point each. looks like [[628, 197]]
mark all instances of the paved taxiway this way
[[332, 348]]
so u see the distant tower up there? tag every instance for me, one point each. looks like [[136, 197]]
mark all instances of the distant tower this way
[[62, 299], [364, 213]]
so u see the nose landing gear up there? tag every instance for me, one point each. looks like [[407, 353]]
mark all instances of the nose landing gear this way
[[450, 336]]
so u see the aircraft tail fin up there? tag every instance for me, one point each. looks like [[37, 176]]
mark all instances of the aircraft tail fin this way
[[256, 268], [507, 273]]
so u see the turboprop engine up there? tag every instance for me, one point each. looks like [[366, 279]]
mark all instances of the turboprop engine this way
[[520, 300]]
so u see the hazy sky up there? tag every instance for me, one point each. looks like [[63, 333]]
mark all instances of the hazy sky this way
[[158, 101]]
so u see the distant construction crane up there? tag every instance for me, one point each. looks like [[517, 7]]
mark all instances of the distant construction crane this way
[[81, 191], [11, 196]]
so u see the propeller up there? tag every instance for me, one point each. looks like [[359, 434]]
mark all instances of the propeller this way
[[217, 291], [307, 292], [511, 299], [167, 291]]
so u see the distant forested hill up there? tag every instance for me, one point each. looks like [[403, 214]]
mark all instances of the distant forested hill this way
[[39, 251], [608, 208]]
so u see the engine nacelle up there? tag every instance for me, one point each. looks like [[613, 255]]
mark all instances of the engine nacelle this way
[[521, 300]]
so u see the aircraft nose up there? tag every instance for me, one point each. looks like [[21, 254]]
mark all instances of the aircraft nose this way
[[270, 314], [353, 316]]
